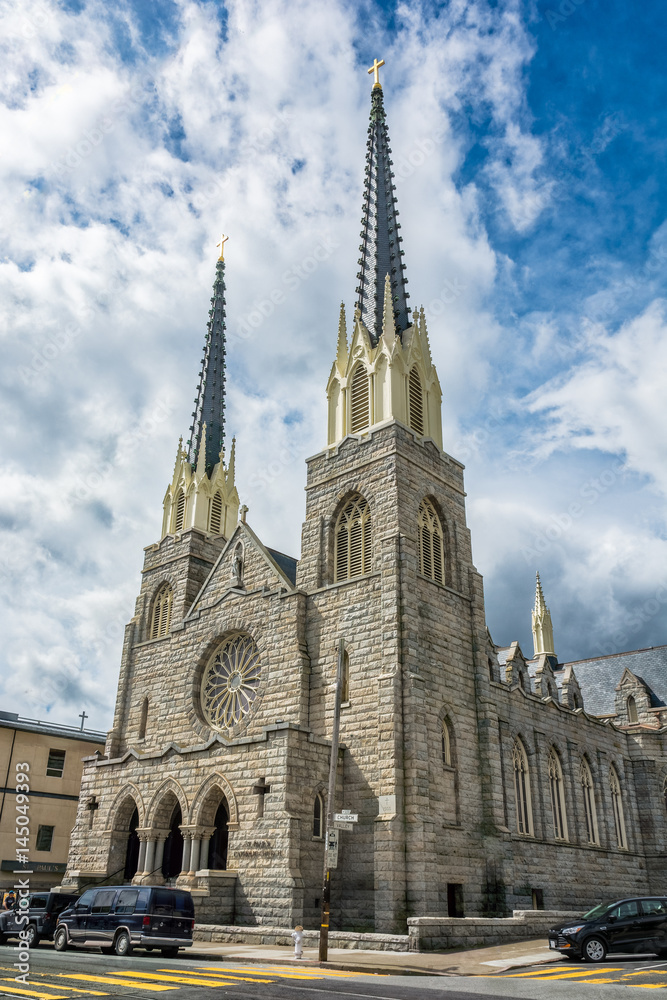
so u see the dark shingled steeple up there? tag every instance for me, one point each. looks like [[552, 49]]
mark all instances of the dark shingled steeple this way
[[380, 247], [210, 401]]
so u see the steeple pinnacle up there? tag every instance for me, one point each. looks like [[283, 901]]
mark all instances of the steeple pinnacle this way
[[380, 243], [543, 633], [209, 412]]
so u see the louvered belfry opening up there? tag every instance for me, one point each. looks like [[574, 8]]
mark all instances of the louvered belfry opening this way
[[360, 399], [353, 540], [210, 400], [431, 543], [179, 516], [215, 518], [161, 617], [416, 398], [380, 247]]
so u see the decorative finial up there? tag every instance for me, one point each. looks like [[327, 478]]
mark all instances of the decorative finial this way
[[375, 68], [221, 244]]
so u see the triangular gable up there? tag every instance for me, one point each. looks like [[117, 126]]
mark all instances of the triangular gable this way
[[260, 570]]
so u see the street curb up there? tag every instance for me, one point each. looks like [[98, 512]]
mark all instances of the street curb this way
[[374, 970]]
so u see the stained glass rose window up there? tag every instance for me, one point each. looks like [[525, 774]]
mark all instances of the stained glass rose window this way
[[231, 681]]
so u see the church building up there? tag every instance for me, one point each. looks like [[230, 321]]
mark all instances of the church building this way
[[483, 780]]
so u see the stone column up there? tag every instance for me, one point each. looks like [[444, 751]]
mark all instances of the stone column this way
[[150, 856], [185, 864], [194, 854], [159, 851], [203, 856], [142, 853]]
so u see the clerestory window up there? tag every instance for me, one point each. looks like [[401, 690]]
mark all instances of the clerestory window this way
[[588, 791], [617, 808], [353, 540], [557, 796], [522, 799]]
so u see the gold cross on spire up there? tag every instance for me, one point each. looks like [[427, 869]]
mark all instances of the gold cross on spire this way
[[221, 244], [375, 68]]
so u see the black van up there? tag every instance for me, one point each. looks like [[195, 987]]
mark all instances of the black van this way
[[42, 912], [118, 918]]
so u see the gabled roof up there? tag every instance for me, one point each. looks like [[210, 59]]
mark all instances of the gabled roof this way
[[599, 676]]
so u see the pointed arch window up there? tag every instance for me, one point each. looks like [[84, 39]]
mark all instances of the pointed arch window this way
[[353, 540], [318, 817], [522, 799], [431, 543], [359, 400], [143, 721], [557, 796], [633, 717], [215, 514], [446, 743], [416, 402], [161, 617], [617, 808], [588, 791], [179, 511]]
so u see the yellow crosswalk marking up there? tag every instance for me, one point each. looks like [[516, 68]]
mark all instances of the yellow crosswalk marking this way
[[304, 971], [559, 975], [80, 977], [15, 991], [150, 977], [218, 975]]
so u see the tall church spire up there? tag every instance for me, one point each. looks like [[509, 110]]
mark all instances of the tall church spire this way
[[380, 250], [543, 633], [208, 418]]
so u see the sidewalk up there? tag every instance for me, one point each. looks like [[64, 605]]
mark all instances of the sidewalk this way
[[478, 962]]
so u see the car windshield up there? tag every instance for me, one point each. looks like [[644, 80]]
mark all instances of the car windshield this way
[[598, 911]]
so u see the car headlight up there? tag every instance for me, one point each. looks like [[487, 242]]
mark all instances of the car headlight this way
[[572, 930]]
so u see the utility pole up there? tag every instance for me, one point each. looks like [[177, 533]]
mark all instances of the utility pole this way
[[333, 767]]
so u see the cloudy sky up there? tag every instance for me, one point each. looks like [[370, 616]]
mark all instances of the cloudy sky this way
[[529, 141]]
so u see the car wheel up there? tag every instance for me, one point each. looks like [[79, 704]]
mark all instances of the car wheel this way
[[31, 936], [595, 950], [122, 944], [169, 952], [60, 939]]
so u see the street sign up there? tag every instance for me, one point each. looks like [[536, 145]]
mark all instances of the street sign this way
[[346, 817], [338, 825], [332, 849]]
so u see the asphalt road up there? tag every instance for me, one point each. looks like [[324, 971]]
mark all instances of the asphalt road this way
[[85, 975]]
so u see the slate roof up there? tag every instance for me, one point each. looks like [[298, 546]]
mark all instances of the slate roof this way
[[287, 564], [598, 677]]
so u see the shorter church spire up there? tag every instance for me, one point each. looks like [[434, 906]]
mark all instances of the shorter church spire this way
[[543, 633], [341, 352]]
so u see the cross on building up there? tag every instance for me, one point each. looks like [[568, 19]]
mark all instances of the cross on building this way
[[260, 789], [375, 68], [92, 805], [83, 718]]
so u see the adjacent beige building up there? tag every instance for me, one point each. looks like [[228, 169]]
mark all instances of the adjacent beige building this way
[[54, 758]]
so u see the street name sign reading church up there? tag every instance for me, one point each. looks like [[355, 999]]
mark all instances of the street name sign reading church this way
[[345, 820]]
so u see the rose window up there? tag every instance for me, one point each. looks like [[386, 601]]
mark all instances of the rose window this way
[[231, 681]]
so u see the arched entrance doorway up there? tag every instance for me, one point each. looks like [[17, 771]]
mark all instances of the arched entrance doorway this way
[[217, 850], [172, 859], [132, 851]]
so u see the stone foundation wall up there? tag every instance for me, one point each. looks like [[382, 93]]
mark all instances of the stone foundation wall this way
[[283, 936], [440, 933]]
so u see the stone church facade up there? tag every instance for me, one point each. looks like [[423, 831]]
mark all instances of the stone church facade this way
[[479, 776]]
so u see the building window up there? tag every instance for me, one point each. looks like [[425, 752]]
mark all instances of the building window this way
[[44, 838], [446, 743], [318, 817], [431, 547], [345, 686], [360, 398], [353, 540], [143, 722], [215, 515], [416, 401], [617, 808], [524, 817], [55, 764], [179, 511], [557, 796], [633, 718], [161, 617], [588, 790]]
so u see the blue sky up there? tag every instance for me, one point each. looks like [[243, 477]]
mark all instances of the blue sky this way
[[530, 141]]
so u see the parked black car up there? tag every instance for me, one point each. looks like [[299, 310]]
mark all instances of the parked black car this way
[[43, 910], [626, 925], [118, 918]]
